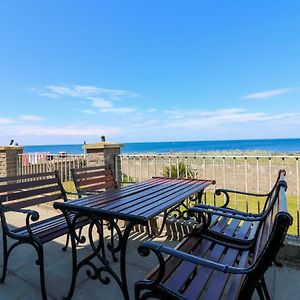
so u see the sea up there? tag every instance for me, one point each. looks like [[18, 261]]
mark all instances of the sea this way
[[261, 145]]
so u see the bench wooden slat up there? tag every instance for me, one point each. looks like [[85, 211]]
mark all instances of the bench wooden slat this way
[[98, 187], [232, 228], [235, 286], [220, 225], [253, 230], [27, 176], [203, 274], [28, 193], [59, 230], [27, 185], [84, 169], [218, 283], [186, 269], [173, 262], [91, 179], [97, 180], [35, 201], [97, 173]]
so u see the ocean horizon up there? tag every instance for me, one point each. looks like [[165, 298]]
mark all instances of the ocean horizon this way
[[264, 145]]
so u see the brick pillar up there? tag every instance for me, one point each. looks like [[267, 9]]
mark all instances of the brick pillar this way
[[104, 153], [8, 160]]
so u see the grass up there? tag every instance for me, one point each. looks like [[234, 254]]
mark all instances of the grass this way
[[240, 203]]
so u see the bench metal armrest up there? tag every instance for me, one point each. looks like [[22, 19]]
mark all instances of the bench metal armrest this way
[[225, 212], [31, 215], [158, 249], [226, 192], [239, 192]]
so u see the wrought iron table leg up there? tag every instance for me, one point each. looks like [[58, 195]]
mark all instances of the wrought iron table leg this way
[[124, 242], [74, 268], [163, 223]]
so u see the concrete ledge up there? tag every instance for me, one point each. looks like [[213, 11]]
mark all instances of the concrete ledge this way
[[5, 148], [290, 253]]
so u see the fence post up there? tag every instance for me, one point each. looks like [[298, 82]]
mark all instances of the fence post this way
[[104, 153], [9, 160]]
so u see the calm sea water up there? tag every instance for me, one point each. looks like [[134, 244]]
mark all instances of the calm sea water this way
[[271, 145]]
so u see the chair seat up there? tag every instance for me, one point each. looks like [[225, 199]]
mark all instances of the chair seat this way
[[192, 281], [52, 228], [228, 228]]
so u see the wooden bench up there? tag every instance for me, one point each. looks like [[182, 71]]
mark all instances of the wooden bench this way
[[20, 192], [94, 180], [90, 180], [224, 222], [202, 268]]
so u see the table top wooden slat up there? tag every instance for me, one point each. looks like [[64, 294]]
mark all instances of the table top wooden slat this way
[[141, 200]]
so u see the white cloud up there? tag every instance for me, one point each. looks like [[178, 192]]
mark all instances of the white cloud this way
[[119, 110], [226, 117], [101, 98], [6, 121], [267, 94], [151, 110], [100, 102], [107, 106], [88, 90], [31, 118], [89, 112], [185, 113], [57, 131]]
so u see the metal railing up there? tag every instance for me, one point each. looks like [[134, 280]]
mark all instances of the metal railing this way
[[39, 162], [248, 173], [255, 174]]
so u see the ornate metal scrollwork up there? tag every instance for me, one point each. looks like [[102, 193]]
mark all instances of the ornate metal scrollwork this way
[[102, 270], [180, 211]]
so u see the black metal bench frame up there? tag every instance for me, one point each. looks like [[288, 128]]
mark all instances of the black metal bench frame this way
[[269, 237], [209, 216], [19, 192], [91, 181]]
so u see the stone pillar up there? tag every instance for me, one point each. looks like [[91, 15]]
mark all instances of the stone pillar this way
[[8, 160], [104, 153]]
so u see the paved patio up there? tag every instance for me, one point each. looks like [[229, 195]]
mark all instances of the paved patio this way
[[22, 281]]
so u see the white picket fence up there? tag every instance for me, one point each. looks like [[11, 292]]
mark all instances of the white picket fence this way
[[40, 162]]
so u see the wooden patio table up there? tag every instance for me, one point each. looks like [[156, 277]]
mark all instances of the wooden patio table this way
[[135, 204]]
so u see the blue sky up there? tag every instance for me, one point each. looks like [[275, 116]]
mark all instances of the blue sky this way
[[148, 70]]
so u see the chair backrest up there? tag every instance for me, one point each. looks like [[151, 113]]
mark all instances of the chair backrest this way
[[273, 192], [270, 236], [27, 190], [93, 179]]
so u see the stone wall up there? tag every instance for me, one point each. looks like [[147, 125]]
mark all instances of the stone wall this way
[[104, 153], [8, 160]]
